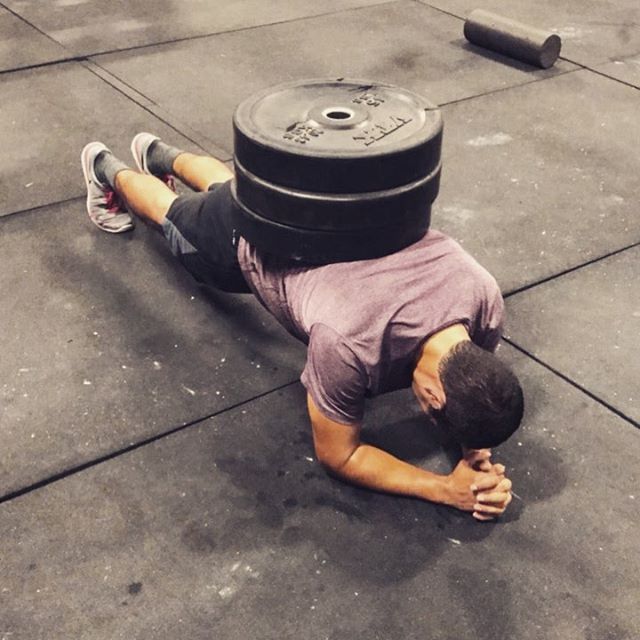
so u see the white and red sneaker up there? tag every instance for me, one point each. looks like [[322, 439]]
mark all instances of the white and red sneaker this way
[[104, 206], [139, 147]]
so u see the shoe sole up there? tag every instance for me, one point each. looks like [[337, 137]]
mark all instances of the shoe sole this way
[[139, 157], [84, 161]]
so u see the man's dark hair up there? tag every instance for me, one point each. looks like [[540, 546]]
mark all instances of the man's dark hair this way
[[484, 401]]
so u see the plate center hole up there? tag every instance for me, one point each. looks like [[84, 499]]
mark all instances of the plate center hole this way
[[338, 113]]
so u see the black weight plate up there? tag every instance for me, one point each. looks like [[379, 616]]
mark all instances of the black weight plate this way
[[336, 212], [324, 247], [338, 136]]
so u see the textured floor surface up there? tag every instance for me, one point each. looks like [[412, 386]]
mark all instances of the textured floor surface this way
[[157, 475]]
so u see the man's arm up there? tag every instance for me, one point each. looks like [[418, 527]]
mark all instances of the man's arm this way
[[339, 449]]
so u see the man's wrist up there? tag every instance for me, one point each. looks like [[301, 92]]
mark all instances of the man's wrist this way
[[436, 488]]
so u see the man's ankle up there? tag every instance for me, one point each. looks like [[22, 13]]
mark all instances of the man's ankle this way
[[160, 158], [107, 166]]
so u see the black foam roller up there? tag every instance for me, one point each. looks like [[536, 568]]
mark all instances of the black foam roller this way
[[512, 38]]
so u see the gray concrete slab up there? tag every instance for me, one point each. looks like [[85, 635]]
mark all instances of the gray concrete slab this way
[[586, 325], [403, 42], [47, 117], [21, 45], [90, 26], [231, 530], [537, 179], [592, 31], [110, 342], [627, 70]]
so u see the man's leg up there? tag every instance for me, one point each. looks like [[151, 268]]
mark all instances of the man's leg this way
[[148, 195], [113, 188], [145, 196], [198, 226], [159, 163], [157, 158], [200, 172]]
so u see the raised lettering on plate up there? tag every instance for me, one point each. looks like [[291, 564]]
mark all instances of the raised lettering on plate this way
[[381, 130], [368, 98], [302, 132]]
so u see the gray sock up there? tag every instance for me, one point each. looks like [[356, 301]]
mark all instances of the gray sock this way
[[106, 166], [160, 157]]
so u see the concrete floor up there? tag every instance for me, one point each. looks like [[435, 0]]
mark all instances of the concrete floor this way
[[157, 477]]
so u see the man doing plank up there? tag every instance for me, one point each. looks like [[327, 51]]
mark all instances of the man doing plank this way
[[428, 316]]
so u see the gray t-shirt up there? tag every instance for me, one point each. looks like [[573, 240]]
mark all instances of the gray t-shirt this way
[[365, 322]]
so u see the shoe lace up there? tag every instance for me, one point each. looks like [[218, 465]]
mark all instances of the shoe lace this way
[[109, 204], [112, 202]]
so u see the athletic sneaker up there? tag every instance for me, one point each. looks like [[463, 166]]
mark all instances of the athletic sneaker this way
[[139, 148], [104, 206]]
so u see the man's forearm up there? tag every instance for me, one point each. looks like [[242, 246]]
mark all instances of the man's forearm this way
[[376, 469]]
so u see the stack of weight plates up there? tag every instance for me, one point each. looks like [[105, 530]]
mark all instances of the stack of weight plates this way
[[335, 170]]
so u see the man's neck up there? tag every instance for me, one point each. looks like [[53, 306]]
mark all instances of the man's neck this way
[[436, 347]]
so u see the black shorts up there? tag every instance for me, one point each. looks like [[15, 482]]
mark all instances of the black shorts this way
[[200, 232]]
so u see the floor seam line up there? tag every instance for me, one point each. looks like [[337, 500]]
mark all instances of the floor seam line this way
[[35, 27], [88, 66], [604, 75], [592, 69], [41, 65], [582, 265], [41, 206], [582, 66], [439, 9], [57, 477], [213, 34], [573, 383], [509, 88]]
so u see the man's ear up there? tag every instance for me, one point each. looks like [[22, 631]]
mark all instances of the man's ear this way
[[436, 399]]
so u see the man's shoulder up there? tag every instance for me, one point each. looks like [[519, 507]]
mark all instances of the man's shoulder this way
[[453, 248], [325, 335], [445, 243], [328, 344]]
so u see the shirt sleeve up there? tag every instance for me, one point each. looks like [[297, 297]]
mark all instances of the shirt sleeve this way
[[492, 321], [491, 339], [334, 377]]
